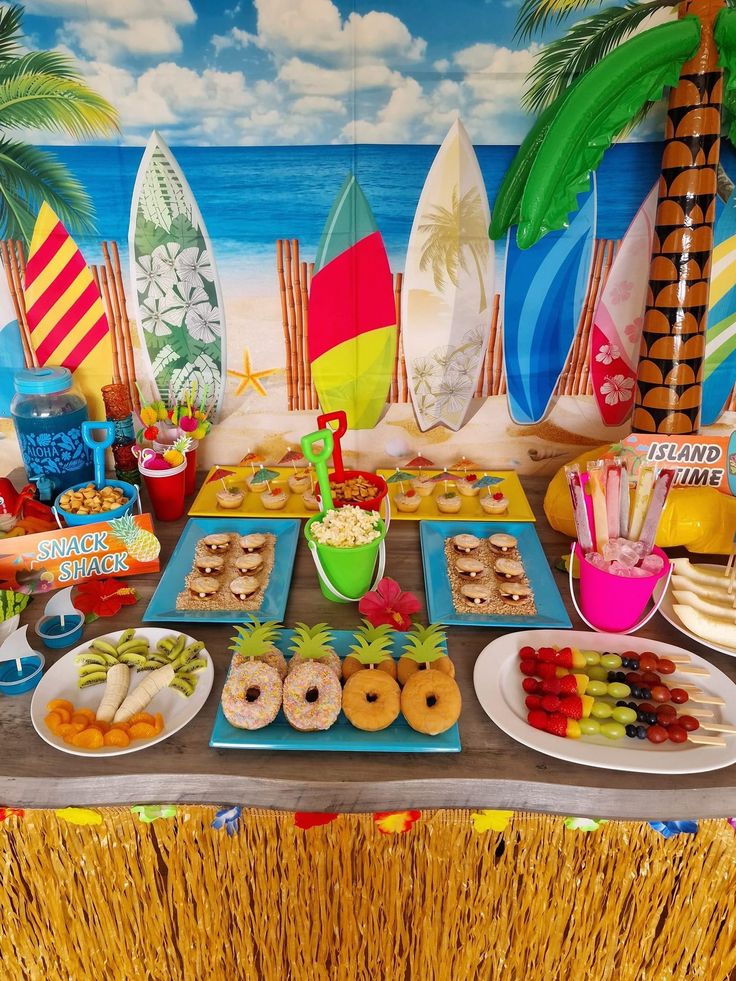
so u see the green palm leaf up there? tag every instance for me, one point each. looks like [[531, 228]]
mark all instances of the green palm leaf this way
[[535, 15], [53, 103], [29, 176], [10, 31], [592, 113], [565, 59]]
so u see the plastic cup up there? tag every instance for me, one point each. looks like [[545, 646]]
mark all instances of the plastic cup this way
[[14, 682], [191, 471], [56, 635], [349, 570], [614, 604], [166, 491]]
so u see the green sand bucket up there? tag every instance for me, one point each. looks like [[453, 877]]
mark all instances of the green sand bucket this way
[[346, 574]]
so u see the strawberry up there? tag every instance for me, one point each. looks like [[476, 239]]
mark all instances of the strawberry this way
[[527, 653], [569, 684], [538, 719], [551, 703], [533, 701], [530, 685], [557, 724], [546, 653], [572, 707]]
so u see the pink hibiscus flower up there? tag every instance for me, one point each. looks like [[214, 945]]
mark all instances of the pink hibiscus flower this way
[[621, 292]]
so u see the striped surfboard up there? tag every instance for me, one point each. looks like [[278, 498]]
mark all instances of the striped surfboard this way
[[719, 369], [615, 336], [448, 288], [64, 310], [177, 295], [544, 292], [352, 314]]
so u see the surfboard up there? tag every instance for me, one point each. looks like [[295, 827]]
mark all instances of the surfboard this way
[[64, 310], [719, 368], [177, 296], [448, 289], [12, 358], [352, 314], [544, 292], [615, 336]]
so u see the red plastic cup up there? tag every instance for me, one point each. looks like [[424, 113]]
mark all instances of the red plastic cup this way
[[166, 491], [191, 471]]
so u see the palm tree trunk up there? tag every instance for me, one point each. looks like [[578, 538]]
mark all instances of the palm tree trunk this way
[[483, 302], [668, 395]]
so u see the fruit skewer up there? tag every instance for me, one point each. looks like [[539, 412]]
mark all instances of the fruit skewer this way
[[570, 657], [558, 724]]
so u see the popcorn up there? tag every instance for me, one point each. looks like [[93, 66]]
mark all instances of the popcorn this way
[[346, 528]]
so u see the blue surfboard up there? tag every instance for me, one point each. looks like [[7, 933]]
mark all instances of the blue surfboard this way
[[719, 369], [544, 293], [11, 360]]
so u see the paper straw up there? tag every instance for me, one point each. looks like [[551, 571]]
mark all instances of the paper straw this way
[[598, 494], [657, 501], [643, 492]]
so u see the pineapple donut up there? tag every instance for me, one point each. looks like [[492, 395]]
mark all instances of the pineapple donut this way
[[251, 698], [257, 641], [313, 644]]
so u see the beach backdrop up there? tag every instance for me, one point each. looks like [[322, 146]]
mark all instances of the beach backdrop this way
[[267, 105]]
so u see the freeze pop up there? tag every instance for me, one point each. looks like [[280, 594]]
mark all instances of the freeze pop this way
[[657, 501], [613, 498], [642, 496], [579, 509], [598, 495]]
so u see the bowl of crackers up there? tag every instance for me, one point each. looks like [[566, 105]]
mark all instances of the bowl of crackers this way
[[357, 488], [83, 504]]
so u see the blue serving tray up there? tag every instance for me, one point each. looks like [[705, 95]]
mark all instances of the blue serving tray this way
[[551, 610], [342, 737], [163, 602]]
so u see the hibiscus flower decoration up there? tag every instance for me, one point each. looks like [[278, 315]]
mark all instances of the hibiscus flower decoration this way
[[312, 819], [8, 812], [395, 822], [103, 598], [388, 604], [607, 353], [617, 388], [633, 330]]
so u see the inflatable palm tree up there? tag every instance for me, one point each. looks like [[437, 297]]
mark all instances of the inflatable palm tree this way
[[597, 98]]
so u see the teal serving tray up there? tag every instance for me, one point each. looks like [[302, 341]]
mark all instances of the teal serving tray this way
[[342, 737]]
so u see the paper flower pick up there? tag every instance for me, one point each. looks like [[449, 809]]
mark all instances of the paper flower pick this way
[[395, 822], [490, 820]]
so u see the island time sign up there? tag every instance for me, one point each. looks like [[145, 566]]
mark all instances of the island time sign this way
[[698, 461], [39, 563]]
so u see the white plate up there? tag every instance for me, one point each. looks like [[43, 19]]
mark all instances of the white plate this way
[[498, 685], [668, 612], [60, 681]]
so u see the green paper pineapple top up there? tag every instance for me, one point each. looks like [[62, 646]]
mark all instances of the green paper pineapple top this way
[[425, 644], [311, 642], [254, 639], [372, 644]]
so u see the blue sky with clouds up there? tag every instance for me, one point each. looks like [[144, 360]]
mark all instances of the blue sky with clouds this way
[[297, 71]]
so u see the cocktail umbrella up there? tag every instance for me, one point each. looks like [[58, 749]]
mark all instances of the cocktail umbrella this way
[[399, 477], [252, 459], [263, 476], [465, 464], [291, 457], [486, 481], [445, 477], [420, 463]]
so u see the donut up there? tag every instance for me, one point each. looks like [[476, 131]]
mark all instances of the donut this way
[[249, 562], [274, 658], [251, 697], [209, 563], [371, 700], [431, 702], [203, 586], [351, 664], [408, 666], [252, 543], [329, 659], [312, 697]]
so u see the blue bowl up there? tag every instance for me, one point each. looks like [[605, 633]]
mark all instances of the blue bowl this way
[[129, 490], [13, 683], [51, 632]]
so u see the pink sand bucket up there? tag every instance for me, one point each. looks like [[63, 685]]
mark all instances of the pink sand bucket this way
[[616, 604]]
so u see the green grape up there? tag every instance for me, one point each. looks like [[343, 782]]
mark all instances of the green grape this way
[[617, 689], [610, 661], [596, 688], [612, 730], [590, 727], [602, 710], [591, 657], [597, 673], [624, 715]]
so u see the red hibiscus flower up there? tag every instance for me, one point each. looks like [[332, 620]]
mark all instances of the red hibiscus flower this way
[[387, 604], [103, 597], [395, 822], [312, 819]]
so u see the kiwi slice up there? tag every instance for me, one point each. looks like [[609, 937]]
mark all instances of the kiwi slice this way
[[196, 664], [87, 669], [90, 657], [126, 636], [132, 659], [166, 644], [92, 679], [183, 686], [104, 648]]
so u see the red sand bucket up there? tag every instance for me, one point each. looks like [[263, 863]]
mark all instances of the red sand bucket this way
[[616, 604], [166, 491]]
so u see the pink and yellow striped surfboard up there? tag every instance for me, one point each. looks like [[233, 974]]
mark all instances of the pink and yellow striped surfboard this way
[[64, 310]]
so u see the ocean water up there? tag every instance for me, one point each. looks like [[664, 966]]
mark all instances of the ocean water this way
[[250, 196]]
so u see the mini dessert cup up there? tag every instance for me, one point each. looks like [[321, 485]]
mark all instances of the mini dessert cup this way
[[274, 500], [449, 502], [408, 502], [466, 488], [496, 503], [423, 486], [230, 498]]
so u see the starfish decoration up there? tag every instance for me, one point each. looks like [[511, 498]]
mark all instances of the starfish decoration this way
[[249, 377]]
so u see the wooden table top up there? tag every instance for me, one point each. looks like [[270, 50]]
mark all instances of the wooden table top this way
[[492, 771]]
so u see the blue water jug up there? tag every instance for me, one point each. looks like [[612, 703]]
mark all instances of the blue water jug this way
[[48, 413]]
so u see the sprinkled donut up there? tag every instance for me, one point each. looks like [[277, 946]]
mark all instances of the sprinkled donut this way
[[329, 660], [273, 657], [312, 697], [431, 701], [251, 697], [371, 700]]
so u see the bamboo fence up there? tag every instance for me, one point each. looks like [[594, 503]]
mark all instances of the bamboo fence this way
[[109, 279], [295, 277]]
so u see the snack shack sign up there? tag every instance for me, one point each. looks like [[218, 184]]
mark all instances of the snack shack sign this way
[[698, 461], [39, 563]]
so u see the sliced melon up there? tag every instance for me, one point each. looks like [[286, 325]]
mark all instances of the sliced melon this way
[[713, 629]]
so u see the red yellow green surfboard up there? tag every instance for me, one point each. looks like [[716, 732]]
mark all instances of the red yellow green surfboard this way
[[352, 315]]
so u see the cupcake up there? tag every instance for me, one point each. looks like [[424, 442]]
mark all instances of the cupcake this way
[[423, 486], [274, 500], [252, 543], [476, 595], [229, 499], [509, 570], [216, 543], [203, 586], [299, 482], [465, 544], [243, 587], [466, 485], [469, 568], [249, 563], [502, 544], [496, 503], [514, 592], [310, 501], [449, 502], [408, 502], [209, 563]]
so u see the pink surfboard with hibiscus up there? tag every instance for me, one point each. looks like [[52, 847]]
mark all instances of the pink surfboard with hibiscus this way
[[615, 336]]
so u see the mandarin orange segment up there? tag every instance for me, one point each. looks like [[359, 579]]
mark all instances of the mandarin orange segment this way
[[116, 737], [53, 720], [159, 723], [57, 703], [99, 725], [142, 717], [71, 728], [142, 730], [88, 739], [66, 714], [83, 712]]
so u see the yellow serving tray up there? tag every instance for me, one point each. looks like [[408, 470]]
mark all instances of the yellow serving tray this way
[[205, 503], [519, 508]]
